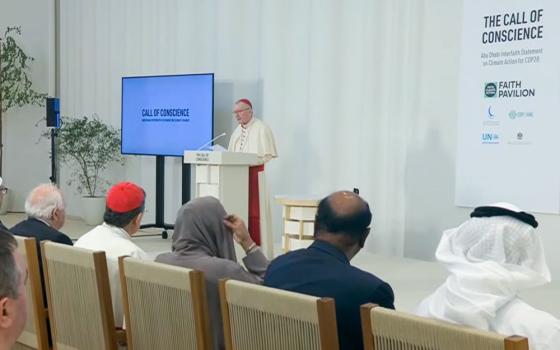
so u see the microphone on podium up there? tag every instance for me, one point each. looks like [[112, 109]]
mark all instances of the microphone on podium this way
[[209, 142]]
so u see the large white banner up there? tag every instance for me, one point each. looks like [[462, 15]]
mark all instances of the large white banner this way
[[509, 105]]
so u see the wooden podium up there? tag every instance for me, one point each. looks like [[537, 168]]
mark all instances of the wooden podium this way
[[224, 175]]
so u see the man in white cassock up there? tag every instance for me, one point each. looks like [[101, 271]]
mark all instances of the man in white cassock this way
[[252, 136], [124, 208], [491, 258]]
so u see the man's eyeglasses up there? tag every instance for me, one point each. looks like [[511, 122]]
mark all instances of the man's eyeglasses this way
[[240, 111]]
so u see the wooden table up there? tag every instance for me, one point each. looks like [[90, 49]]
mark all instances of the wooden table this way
[[298, 215]]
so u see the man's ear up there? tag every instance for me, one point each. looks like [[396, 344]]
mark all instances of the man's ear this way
[[138, 219], [6, 318], [56, 213], [362, 241]]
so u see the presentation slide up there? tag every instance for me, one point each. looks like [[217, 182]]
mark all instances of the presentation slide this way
[[166, 115]]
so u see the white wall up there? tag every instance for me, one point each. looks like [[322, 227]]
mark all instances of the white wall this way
[[26, 156], [429, 180], [359, 93]]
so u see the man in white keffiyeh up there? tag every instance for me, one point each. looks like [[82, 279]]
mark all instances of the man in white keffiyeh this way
[[491, 257]]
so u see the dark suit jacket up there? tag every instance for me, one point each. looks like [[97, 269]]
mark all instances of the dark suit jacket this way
[[323, 270], [37, 229], [32, 227]]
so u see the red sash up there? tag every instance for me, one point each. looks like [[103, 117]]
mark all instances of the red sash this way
[[254, 205]]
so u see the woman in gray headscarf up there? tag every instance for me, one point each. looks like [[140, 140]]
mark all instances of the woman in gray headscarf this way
[[203, 240]]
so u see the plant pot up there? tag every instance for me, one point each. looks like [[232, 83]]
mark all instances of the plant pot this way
[[93, 209], [5, 203]]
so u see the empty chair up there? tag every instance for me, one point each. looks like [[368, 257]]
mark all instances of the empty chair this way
[[79, 298], [35, 333], [165, 306], [385, 329], [257, 317]]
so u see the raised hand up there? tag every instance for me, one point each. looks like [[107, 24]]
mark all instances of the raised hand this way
[[239, 230]]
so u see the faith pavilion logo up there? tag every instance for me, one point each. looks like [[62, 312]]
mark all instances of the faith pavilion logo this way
[[490, 90]]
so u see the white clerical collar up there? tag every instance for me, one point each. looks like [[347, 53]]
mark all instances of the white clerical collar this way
[[118, 230], [249, 123]]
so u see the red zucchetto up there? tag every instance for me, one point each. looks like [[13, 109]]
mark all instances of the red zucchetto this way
[[124, 197], [246, 101]]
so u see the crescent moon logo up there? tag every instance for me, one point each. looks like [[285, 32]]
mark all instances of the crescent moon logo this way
[[490, 114]]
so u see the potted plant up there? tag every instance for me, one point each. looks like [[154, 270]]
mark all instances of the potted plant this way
[[15, 84], [89, 145]]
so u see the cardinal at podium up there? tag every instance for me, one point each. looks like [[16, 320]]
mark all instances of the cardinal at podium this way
[[252, 136]]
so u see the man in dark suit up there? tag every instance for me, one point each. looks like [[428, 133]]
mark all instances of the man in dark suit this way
[[46, 213], [324, 270]]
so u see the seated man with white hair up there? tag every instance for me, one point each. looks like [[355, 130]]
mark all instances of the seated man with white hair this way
[[491, 258], [46, 213]]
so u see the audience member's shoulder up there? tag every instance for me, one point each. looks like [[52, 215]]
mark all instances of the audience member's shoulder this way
[[290, 254], [20, 224], [289, 258], [367, 278], [139, 253], [40, 231], [61, 237], [30, 224], [379, 291], [57, 236]]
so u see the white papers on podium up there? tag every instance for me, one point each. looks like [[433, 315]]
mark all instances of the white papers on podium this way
[[218, 148]]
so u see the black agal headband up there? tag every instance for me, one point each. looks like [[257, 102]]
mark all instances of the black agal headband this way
[[487, 212]]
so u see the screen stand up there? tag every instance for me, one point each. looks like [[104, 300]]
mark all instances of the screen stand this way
[[185, 182], [53, 177], [160, 189]]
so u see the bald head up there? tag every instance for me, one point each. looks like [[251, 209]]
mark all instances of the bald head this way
[[343, 213], [346, 203], [46, 202]]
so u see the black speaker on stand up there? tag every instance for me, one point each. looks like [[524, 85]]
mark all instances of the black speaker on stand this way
[[53, 122]]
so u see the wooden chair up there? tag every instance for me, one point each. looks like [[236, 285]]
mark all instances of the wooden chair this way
[[79, 298], [165, 307], [35, 334], [257, 317], [385, 329]]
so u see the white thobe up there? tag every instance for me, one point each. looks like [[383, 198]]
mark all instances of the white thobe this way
[[254, 137], [517, 317], [115, 242], [514, 318]]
